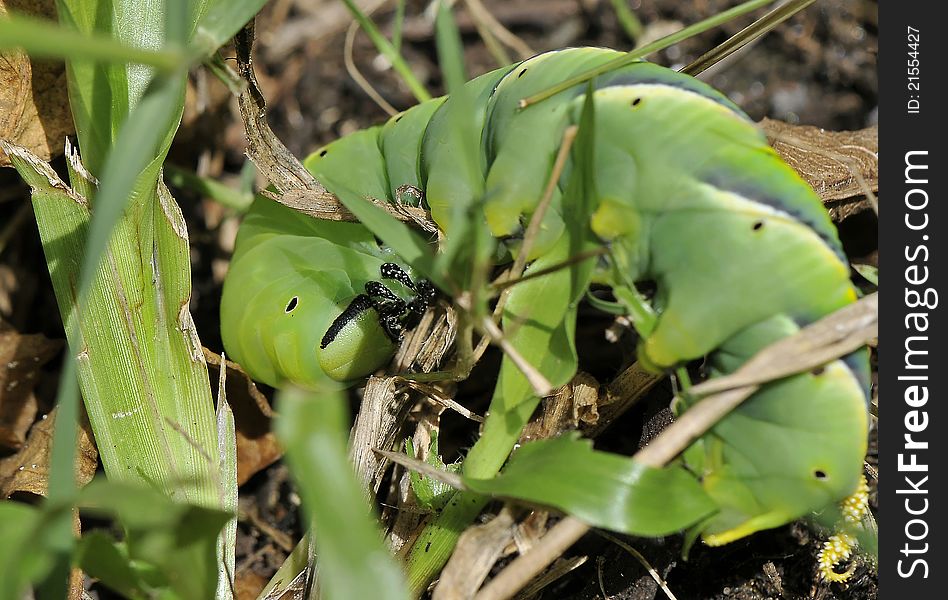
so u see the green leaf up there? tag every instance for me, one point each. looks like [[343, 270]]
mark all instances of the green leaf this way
[[431, 494], [178, 540], [46, 39], [353, 561], [24, 557], [603, 489], [101, 556], [222, 19], [237, 199]]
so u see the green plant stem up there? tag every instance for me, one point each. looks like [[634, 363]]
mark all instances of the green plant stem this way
[[388, 51], [434, 546], [45, 39], [661, 44], [627, 19]]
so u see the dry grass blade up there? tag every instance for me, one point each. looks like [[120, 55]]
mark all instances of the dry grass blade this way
[[643, 561], [559, 569], [481, 15], [839, 333], [843, 331], [436, 396], [357, 76], [283, 170], [297, 187], [513, 275], [324, 205], [477, 550], [541, 386], [381, 418], [746, 35]]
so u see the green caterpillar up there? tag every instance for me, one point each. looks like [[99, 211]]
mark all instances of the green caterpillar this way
[[688, 195]]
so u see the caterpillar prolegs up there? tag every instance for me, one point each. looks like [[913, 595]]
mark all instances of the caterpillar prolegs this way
[[688, 194]]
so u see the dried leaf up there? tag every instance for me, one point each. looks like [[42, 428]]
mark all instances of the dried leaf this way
[[477, 550], [570, 406], [34, 108], [21, 358], [832, 162], [28, 469], [257, 447], [248, 584]]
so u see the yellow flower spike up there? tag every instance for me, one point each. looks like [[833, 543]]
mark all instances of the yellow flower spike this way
[[839, 547]]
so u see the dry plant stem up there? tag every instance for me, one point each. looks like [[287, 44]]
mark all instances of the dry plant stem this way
[[541, 387], [850, 327], [643, 561], [267, 152], [560, 568], [528, 565], [533, 230], [297, 187], [495, 48], [482, 15], [509, 283], [477, 550], [845, 330], [437, 397], [357, 76], [747, 35]]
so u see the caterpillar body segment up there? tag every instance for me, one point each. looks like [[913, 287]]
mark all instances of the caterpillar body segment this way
[[688, 195], [289, 278]]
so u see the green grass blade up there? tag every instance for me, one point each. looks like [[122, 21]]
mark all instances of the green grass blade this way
[[398, 25], [222, 19], [450, 52], [603, 489], [46, 39], [227, 456], [396, 234], [353, 561], [661, 44], [239, 200], [746, 36], [388, 51], [22, 558], [177, 541], [627, 20]]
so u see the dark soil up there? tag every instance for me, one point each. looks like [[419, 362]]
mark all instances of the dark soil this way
[[819, 69]]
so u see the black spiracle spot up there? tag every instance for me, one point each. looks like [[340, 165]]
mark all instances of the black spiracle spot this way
[[820, 474], [323, 152], [292, 304], [520, 74], [636, 102], [758, 225]]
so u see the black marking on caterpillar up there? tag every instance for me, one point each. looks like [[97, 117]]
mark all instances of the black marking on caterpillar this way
[[359, 305]]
